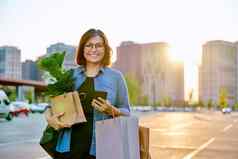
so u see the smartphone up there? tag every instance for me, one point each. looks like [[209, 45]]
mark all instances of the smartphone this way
[[101, 94]]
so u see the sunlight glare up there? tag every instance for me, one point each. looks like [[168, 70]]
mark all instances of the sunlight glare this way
[[176, 53], [190, 57]]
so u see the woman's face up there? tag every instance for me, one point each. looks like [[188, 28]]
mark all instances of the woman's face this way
[[94, 50]]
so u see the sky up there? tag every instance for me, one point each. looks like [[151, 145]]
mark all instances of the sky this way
[[33, 25]]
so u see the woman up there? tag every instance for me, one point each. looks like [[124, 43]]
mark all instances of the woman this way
[[93, 75]]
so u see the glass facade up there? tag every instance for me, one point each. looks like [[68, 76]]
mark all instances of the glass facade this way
[[10, 62]]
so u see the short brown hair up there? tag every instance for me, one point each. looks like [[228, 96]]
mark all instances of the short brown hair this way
[[80, 60]]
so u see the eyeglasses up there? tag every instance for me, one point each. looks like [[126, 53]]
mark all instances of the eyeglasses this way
[[97, 46]]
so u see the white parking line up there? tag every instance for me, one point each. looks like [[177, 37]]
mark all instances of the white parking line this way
[[227, 128], [173, 147], [202, 117], [189, 156]]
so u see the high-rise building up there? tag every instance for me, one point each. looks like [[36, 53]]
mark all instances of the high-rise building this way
[[69, 60], [30, 71], [218, 71], [150, 65], [10, 62]]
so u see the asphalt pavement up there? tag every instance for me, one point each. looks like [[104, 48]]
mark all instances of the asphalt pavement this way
[[173, 135]]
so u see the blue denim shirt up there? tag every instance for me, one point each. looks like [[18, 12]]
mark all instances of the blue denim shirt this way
[[110, 81]]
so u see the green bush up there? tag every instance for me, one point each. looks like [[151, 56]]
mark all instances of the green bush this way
[[235, 107], [144, 100], [133, 89], [209, 104], [167, 101], [157, 104], [200, 103]]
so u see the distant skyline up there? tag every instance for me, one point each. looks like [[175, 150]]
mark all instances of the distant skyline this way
[[186, 24]]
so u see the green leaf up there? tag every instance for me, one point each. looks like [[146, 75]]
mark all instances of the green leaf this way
[[64, 79]]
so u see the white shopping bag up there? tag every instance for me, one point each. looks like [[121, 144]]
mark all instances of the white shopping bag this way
[[117, 138]]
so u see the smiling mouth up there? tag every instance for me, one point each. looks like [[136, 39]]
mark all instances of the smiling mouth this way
[[93, 55]]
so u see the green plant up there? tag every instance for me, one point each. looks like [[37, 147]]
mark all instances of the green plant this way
[[200, 103], [29, 96], [167, 101], [235, 107], [157, 104], [209, 104], [13, 96], [133, 88], [190, 97], [223, 97], [144, 100], [10, 92], [61, 81]]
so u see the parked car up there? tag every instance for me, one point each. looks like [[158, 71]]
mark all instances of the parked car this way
[[39, 108], [4, 106], [19, 107], [226, 110]]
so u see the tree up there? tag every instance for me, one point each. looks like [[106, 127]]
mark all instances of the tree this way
[[223, 96], [209, 104], [190, 96], [133, 88], [167, 101], [144, 101], [28, 96], [235, 107], [195, 105], [200, 103], [157, 104], [10, 92]]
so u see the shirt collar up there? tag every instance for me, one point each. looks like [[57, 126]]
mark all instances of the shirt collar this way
[[82, 69]]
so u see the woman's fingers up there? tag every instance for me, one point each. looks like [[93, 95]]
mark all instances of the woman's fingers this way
[[62, 125], [101, 99], [59, 115], [106, 102], [104, 107], [97, 105], [54, 122], [98, 108]]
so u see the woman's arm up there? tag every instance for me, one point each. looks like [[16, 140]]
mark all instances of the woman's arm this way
[[122, 98]]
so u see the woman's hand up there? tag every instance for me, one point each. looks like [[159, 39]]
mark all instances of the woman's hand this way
[[53, 121], [104, 106]]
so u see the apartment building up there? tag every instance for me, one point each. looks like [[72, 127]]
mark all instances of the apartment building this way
[[150, 64]]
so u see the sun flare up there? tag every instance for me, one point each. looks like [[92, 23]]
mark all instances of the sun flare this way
[[190, 58]]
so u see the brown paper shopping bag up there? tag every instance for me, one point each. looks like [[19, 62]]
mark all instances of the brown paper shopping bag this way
[[144, 135], [70, 104]]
